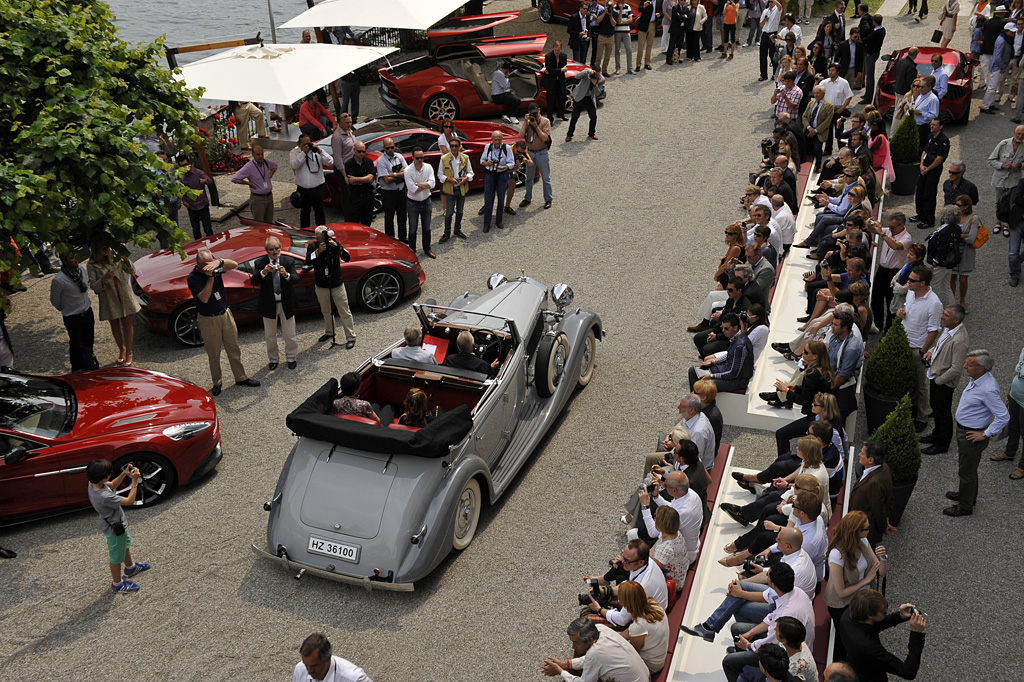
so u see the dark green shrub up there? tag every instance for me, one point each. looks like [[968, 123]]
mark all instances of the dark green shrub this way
[[899, 438]]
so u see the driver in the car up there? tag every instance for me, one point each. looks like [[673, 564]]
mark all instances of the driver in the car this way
[[466, 359]]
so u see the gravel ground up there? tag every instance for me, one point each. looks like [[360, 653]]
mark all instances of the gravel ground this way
[[635, 230]]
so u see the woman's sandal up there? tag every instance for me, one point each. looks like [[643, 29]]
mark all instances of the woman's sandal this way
[[1001, 457], [791, 357], [1017, 474], [730, 561], [731, 548]]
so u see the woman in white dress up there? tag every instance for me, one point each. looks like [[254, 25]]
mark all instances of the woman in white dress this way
[[947, 21]]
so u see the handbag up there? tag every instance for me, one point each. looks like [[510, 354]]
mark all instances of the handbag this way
[[937, 35], [982, 236]]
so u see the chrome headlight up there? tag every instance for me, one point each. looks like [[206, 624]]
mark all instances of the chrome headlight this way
[[562, 296], [496, 280], [185, 431]]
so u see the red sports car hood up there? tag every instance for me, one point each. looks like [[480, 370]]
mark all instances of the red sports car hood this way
[[365, 242], [126, 397], [479, 132]]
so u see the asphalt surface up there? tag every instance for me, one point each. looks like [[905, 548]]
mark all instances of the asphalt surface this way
[[636, 230]]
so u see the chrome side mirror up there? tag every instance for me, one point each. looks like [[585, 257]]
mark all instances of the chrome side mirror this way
[[496, 280], [562, 296]]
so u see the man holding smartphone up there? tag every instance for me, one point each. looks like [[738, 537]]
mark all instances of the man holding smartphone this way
[[113, 523]]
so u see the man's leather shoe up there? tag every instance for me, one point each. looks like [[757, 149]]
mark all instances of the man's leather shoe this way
[[956, 510], [248, 382], [292, 364], [734, 512], [927, 438], [7, 553], [547, 204], [487, 228], [805, 318], [443, 239], [272, 366], [325, 337], [510, 210], [1014, 281], [699, 327], [568, 138], [430, 253], [782, 347], [732, 650], [351, 344], [593, 137], [769, 396], [524, 202], [215, 391], [762, 79], [920, 425], [953, 495], [914, 218], [461, 235], [933, 450], [500, 226]]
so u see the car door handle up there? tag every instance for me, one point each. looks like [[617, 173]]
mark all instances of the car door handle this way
[[505, 397]]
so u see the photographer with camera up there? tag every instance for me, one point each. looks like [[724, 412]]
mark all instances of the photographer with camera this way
[[496, 159], [673, 490], [860, 627], [522, 162], [633, 563], [536, 131], [112, 522], [307, 161], [324, 254], [216, 323], [275, 279], [584, 98]]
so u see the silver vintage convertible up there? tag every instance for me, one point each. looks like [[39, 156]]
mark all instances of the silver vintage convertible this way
[[382, 505]]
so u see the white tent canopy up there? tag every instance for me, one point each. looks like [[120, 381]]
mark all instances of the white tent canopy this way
[[418, 15], [276, 74]]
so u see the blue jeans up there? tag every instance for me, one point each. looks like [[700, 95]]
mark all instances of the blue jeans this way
[[1015, 255], [495, 184], [454, 205], [744, 611], [419, 210], [824, 223], [543, 163]]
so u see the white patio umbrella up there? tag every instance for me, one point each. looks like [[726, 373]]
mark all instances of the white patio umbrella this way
[[418, 15], [277, 74]]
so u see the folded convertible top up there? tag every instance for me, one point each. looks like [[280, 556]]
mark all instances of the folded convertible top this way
[[312, 420]]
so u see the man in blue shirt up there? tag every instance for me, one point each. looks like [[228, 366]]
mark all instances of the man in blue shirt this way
[[980, 415], [941, 77], [846, 350]]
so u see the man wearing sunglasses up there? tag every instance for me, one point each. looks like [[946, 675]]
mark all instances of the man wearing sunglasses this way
[[360, 175], [391, 176]]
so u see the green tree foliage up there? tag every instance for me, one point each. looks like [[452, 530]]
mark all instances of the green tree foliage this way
[[890, 369], [74, 99], [899, 438]]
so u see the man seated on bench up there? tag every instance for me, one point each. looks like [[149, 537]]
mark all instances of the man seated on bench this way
[[348, 403], [733, 373], [466, 359], [684, 500], [634, 563], [413, 348]]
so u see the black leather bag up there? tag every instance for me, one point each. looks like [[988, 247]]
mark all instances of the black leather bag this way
[[118, 528]]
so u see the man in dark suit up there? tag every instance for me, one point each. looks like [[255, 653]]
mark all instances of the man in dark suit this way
[[579, 38], [838, 19], [735, 302], [804, 81], [872, 42], [467, 359], [554, 80], [734, 372], [275, 278], [851, 58], [905, 72], [859, 629], [872, 493]]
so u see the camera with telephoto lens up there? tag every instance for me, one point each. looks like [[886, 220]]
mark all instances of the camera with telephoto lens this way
[[593, 592], [843, 242], [748, 564]]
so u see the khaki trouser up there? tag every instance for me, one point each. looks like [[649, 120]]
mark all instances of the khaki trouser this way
[[243, 113], [291, 341], [644, 44], [605, 47], [262, 206], [220, 331], [340, 298], [923, 386]]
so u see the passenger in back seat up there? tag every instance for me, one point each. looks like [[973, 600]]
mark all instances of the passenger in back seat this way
[[348, 403], [416, 409]]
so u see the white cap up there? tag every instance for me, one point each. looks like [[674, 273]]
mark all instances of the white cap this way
[[1010, 26]]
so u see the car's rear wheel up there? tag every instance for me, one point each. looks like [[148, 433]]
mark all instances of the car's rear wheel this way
[[440, 106], [157, 482], [587, 363], [380, 290], [184, 325], [552, 353], [545, 11], [378, 203], [467, 515]]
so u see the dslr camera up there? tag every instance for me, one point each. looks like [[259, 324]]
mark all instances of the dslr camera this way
[[748, 564], [593, 588], [744, 317]]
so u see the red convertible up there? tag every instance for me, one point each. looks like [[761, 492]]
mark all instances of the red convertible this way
[[382, 271], [52, 427], [456, 80], [955, 106], [410, 132]]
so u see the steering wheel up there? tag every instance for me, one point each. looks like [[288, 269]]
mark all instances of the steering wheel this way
[[488, 345]]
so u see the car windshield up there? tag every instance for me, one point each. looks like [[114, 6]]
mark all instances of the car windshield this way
[[431, 315], [390, 125], [927, 70], [36, 406], [299, 239]]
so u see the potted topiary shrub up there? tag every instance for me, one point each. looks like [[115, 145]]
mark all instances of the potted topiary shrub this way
[[905, 148], [889, 375], [902, 454]]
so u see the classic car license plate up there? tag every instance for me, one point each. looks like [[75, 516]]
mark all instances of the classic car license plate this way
[[334, 549]]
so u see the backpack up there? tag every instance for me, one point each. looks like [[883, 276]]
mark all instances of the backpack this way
[[1008, 206]]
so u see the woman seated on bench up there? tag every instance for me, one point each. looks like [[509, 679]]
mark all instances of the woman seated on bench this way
[[348, 403]]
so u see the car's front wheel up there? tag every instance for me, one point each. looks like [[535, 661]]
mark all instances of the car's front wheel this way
[[587, 362], [552, 354], [380, 290], [157, 482], [184, 325], [467, 515], [441, 106], [568, 96], [545, 11]]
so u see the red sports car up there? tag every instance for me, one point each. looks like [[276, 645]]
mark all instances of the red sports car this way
[[382, 271], [468, 27], [456, 81], [410, 132], [955, 106], [52, 427], [549, 10]]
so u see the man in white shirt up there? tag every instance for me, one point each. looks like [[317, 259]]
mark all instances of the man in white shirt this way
[[687, 504], [413, 348], [790, 545], [699, 427], [770, 19], [839, 93], [307, 161], [601, 653], [922, 320], [501, 93], [635, 558], [419, 181], [318, 664], [782, 222]]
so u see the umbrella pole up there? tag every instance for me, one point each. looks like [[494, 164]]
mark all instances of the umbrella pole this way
[[273, 24], [204, 165], [330, 86]]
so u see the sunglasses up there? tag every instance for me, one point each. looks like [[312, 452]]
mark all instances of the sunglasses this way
[[913, 281], [389, 147]]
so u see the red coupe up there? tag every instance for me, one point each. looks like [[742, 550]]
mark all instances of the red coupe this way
[[456, 80], [382, 271], [955, 106], [52, 427], [410, 132]]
